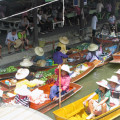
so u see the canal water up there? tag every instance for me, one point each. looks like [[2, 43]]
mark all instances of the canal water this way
[[89, 84]]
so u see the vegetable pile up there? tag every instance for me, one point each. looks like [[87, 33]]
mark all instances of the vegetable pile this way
[[10, 69]]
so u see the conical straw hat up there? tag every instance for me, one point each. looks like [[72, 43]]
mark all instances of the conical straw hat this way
[[39, 51]]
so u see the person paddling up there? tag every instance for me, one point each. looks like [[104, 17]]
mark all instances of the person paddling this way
[[65, 82]]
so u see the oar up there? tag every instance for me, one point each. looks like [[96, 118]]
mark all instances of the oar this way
[[59, 86]]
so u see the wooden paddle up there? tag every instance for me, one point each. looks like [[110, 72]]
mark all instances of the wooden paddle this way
[[59, 86]]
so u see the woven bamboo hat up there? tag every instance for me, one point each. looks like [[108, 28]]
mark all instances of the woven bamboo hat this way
[[26, 63], [64, 40], [41, 63], [92, 47], [39, 51], [18, 42], [22, 73]]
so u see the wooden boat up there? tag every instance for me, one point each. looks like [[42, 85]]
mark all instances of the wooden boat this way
[[48, 104], [116, 58], [32, 69], [91, 65], [107, 41], [35, 68], [77, 111]]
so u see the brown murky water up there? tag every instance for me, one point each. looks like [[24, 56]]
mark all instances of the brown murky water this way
[[89, 84]]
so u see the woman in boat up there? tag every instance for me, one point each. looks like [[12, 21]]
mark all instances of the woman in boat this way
[[25, 78], [65, 82], [22, 94], [115, 91], [93, 53], [103, 103], [118, 75], [58, 56], [39, 54], [63, 41]]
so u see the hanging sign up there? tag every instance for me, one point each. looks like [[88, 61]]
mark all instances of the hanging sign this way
[[75, 2], [85, 2]]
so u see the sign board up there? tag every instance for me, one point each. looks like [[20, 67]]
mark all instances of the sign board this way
[[85, 2], [76, 2]]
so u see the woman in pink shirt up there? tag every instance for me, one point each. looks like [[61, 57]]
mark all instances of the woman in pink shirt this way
[[65, 82]]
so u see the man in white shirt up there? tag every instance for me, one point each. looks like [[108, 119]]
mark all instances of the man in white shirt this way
[[94, 24], [11, 38], [99, 7]]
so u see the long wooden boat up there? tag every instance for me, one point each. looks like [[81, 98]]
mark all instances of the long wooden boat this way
[[77, 111], [48, 104], [116, 58], [35, 68], [106, 41], [32, 69], [91, 65]]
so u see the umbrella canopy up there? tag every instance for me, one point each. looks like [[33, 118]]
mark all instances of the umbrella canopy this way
[[17, 112]]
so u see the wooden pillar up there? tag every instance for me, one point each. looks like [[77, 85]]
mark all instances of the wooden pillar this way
[[35, 32], [81, 18]]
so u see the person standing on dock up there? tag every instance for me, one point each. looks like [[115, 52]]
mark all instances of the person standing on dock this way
[[101, 105], [94, 24]]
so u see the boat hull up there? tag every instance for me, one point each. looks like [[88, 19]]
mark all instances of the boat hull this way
[[48, 104], [77, 111]]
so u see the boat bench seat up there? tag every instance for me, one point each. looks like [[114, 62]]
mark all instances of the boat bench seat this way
[[72, 109]]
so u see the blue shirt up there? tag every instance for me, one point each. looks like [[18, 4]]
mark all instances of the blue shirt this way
[[39, 58], [57, 57]]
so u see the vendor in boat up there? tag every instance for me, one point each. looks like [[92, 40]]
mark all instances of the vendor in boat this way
[[39, 54], [65, 82], [118, 75], [103, 103], [115, 91], [58, 56], [93, 53], [22, 94], [63, 41], [24, 77]]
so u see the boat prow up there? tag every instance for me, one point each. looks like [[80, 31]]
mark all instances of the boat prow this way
[[77, 111], [116, 58]]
